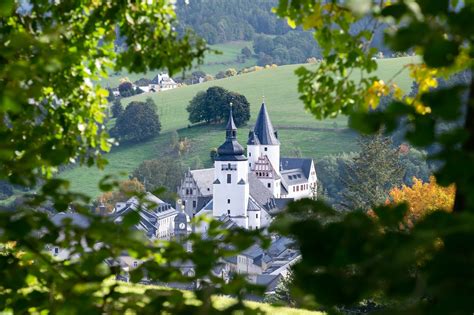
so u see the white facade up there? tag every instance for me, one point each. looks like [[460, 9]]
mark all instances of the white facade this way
[[231, 191], [249, 190]]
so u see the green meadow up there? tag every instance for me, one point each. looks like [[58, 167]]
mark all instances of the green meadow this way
[[212, 63], [297, 128]]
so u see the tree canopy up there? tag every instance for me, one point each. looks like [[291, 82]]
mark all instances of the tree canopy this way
[[52, 114], [138, 122], [349, 258], [371, 174], [213, 106]]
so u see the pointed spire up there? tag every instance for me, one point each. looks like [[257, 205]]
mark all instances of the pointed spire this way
[[263, 129], [231, 129], [230, 150]]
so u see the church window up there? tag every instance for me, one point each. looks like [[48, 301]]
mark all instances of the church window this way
[[56, 250], [269, 185], [228, 200], [184, 203], [194, 203], [250, 164], [229, 178], [256, 215], [250, 153]]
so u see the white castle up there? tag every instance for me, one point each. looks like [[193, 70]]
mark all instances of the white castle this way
[[248, 190]]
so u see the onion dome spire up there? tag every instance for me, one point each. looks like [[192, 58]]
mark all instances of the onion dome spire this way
[[230, 150]]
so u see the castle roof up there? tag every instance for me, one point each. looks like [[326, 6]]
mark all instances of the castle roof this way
[[230, 150], [294, 163], [263, 129], [204, 178]]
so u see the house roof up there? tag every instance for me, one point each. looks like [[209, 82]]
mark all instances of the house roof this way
[[204, 179], [263, 129], [293, 177], [293, 163], [149, 213], [76, 219], [258, 190], [202, 201]]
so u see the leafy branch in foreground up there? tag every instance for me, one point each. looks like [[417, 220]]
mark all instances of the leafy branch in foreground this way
[[83, 282], [349, 258]]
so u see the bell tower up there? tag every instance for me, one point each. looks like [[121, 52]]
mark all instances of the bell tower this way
[[231, 186]]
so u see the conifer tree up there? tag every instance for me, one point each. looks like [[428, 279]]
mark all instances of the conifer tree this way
[[372, 173]]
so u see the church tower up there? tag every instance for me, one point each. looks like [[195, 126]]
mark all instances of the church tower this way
[[231, 186], [263, 149]]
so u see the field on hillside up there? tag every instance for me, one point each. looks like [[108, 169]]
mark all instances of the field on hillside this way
[[297, 128], [213, 63]]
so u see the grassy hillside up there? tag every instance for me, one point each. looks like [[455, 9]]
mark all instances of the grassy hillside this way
[[213, 63], [297, 128]]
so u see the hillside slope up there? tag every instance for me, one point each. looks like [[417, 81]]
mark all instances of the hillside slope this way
[[298, 129]]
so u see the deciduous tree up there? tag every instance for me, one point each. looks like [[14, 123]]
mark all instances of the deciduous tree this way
[[164, 172], [213, 106], [348, 258], [423, 198], [138, 122], [117, 108], [126, 190]]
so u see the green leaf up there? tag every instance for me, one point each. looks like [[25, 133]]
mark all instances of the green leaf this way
[[6, 7], [131, 218], [440, 52], [395, 10]]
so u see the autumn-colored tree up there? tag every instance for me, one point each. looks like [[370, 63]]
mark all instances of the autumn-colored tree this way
[[126, 189], [423, 198]]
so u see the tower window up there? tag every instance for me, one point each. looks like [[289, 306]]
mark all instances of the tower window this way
[[256, 215], [228, 212], [266, 149], [250, 164], [228, 200], [194, 203], [229, 178], [250, 153], [269, 185]]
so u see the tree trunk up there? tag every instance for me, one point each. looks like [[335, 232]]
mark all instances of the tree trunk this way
[[460, 200]]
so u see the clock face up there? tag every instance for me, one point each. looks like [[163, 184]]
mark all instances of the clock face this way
[[182, 226]]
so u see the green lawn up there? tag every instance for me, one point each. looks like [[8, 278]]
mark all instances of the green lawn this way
[[213, 63], [285, 109]]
